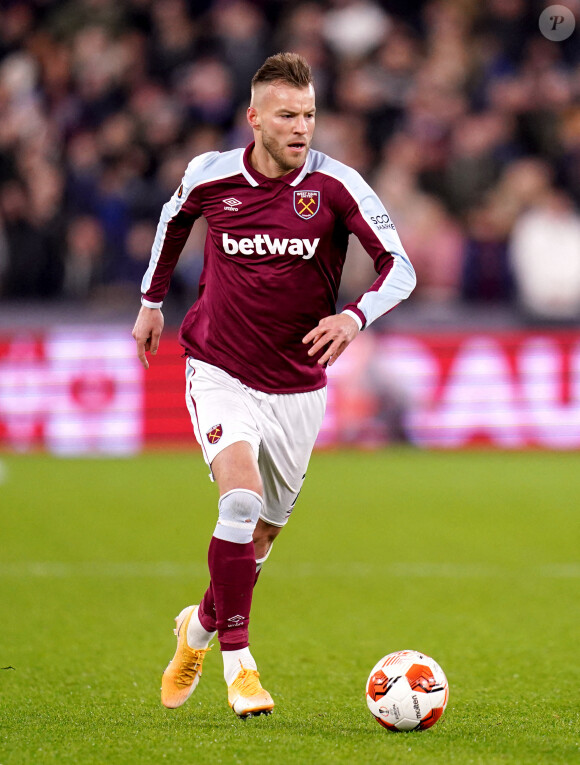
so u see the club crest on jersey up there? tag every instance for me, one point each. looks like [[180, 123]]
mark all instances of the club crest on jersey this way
[[306, 203], [214, 434]]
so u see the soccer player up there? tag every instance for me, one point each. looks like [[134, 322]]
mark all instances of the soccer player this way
[[258, 340]]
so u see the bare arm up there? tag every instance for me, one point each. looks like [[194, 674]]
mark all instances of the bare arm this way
[[336, 332], [147, 332]]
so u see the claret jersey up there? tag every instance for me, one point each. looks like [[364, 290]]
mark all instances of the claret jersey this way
[[273, 260]]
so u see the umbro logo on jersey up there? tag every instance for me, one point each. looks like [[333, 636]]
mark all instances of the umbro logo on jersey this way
[[232, 204], [262, 244]]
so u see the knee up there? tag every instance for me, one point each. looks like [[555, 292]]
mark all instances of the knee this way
[[239, 510]]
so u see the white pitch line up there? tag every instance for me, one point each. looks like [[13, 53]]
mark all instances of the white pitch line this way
[[353, 570], [128, 570]]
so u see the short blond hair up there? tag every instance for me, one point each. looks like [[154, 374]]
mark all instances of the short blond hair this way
[[290, 68]]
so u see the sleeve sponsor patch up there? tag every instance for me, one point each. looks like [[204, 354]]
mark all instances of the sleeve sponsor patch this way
[[382, 221]]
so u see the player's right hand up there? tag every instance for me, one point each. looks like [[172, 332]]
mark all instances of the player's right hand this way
[[147, 332]]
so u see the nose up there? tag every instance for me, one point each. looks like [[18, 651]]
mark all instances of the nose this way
[[300, 125]]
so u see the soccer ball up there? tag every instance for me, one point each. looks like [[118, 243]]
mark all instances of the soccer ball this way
[[407, 690]]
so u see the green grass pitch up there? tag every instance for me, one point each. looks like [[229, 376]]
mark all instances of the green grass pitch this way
[[472, 558]]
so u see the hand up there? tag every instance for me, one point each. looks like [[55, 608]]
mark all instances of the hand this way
[[147, 331], [337, 332]]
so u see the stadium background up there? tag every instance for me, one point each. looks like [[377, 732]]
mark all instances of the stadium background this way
[[461, 114]]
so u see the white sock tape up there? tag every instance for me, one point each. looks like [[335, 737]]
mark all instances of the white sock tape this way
[[239, 510]]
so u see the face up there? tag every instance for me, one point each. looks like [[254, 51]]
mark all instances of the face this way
[[282, 118]]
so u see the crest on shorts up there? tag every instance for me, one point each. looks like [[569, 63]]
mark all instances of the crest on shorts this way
[[214, 434], [306, 203]]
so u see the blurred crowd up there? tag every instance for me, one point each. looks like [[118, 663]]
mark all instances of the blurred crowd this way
[[462, 116]]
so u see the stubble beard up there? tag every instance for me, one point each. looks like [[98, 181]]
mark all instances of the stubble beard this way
[[273, 149]]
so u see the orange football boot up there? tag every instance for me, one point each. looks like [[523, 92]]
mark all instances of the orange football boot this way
[[182, 675], [246, 696]]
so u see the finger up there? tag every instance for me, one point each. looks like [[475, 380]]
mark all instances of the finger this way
[[312, 335], [319, 344], [141, 354], [330, 353], [339, 351], [154, 342]]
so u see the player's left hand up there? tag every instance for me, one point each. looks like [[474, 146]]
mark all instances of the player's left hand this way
[[336, 332]]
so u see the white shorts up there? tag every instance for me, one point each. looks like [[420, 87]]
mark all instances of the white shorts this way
[[281, 429]]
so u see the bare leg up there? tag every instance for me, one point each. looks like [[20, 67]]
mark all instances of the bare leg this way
[[264, 535], [237, 468]]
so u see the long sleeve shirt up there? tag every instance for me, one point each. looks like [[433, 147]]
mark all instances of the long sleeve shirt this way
[[273, 260]]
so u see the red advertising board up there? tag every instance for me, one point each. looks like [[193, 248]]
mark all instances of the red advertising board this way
[[82, 391]]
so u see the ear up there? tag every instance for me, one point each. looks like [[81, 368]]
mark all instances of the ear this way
[[253, 118]]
